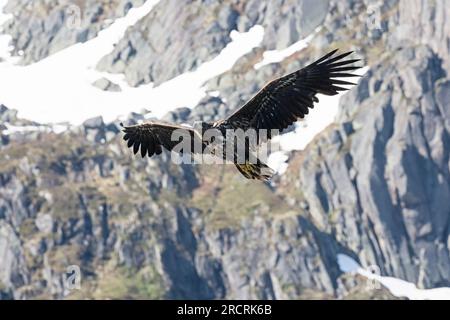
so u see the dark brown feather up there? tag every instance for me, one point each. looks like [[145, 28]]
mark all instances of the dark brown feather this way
[[152, 136], [284, 100]]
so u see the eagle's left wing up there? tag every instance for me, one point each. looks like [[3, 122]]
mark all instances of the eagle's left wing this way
[[151, 136], [280, 103]]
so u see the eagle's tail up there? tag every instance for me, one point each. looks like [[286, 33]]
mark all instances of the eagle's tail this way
[[258, 171]]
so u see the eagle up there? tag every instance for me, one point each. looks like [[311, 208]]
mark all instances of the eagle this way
[[276, 106]]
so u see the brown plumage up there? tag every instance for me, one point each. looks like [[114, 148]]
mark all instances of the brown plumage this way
[[151, 136], [275, 107]]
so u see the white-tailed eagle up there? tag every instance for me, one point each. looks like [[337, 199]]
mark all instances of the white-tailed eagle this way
[[275, 107]]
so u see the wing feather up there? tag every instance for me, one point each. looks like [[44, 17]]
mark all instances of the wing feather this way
[[152, 136], [280, 103]]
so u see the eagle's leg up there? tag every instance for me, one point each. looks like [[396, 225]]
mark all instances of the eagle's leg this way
[[258, 171]]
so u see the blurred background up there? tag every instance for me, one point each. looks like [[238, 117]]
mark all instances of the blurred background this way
[[359, 208]]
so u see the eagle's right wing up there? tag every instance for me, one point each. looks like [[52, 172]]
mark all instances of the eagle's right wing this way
[[280, 103], [151, 136]]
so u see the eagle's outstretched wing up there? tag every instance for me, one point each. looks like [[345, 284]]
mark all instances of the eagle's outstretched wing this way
[[281, 102], [151, 136]]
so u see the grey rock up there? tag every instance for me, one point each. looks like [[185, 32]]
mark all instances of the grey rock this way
[[42, 28], [389, 206], [94, 129], [208, 109], [298, 19], [94, 123], [13, 271], [179, 115], [7, 115], [139, 56], [106, 85]]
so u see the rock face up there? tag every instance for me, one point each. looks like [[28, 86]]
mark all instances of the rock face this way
[[373, 186], [40, 28], [377, 178], [149, 222], [13, 272], [7, 115], [157, 49], [152, 49], [381, 173], [106, 85]]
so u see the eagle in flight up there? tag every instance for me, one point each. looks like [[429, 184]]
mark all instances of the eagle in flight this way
[[275, 107]]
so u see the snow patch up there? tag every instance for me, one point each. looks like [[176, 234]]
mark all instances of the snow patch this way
[[397, 287], [278, 161], [214, 94], [55, 128]]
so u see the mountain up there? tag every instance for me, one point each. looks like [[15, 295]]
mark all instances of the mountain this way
[[373, 185]]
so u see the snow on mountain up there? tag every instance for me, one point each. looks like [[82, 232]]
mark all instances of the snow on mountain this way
[[397, 287], [56, 128]]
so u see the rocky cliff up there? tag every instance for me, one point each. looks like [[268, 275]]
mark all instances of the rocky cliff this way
[[40, 28], [379, 176], [374, 185], [150, 50]]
